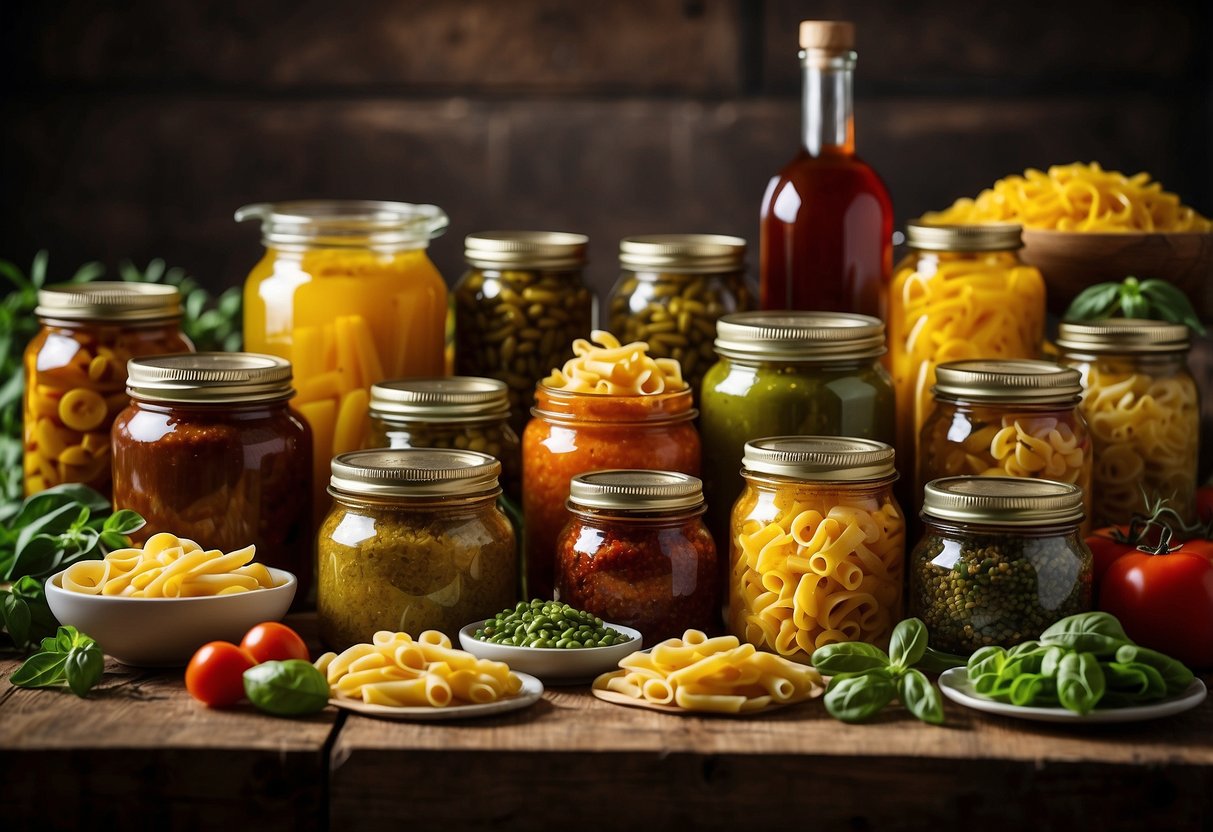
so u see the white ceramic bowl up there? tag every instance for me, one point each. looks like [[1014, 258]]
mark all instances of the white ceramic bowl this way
[[556, 665], [165, 632]]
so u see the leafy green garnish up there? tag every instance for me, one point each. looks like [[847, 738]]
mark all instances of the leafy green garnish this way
[[69, 658], [1131, 298]]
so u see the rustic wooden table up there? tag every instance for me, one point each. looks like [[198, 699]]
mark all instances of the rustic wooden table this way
[[141, 754]]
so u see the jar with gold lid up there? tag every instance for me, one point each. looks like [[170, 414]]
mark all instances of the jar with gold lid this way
[[75, 373]]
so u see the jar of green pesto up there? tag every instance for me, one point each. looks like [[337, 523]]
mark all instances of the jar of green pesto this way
[[1000, 561], [786, 373]]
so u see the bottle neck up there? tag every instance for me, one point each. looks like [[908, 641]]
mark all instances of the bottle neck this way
[[827, 116]]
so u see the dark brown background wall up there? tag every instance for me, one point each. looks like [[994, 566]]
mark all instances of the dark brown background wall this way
[[134, 129]]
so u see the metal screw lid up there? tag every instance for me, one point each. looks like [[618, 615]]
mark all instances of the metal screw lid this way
[[799, 336], [346, 223], [1002, 501], [109, 301], [447, 399], [543, 250], [204, 377], [1013, 382], [1124, 336], [414, 472], [984, 237], [635, 490], [819, 458], [693, 253]]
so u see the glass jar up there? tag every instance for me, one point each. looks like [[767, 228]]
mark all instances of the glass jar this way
[[575, 433], [414, 541], [818, 545], [673, 289], [210, 449], [75, 374], [636, 552], [961, 292], [1006, 419], [788, 373], [1143, 408], [1000, 561], [519, 306], [348, 295]]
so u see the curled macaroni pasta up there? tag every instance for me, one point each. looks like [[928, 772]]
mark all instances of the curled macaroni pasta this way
[[1077, 197], [168, 567], [397, 671], [616, 369], [720, 674]]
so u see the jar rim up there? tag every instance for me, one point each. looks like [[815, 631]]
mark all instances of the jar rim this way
[[109, 301], [816, 337], [1123, 336], [629, 490], [819, 458], [338, 223], [1002, 501], [1018, 382], [683, 253], [963, 237], [413, 472], [209, 378], [441, 399], [526, 250]]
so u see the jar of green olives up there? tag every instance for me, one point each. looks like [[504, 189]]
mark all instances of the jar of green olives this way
[[1000, 560], [521, 303], [672, 290]]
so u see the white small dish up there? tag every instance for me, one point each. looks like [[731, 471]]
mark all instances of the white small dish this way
[[556, 665], [955, 685], [532, 690], [165, 632]]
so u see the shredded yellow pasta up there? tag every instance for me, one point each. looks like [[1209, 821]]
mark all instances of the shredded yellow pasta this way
[[720, 675], [168, 567], [396, 671], [1076, 197], [617, 369]]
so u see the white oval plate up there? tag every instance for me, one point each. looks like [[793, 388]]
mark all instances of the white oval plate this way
[[532, 690], [554, 665], [955, 685]]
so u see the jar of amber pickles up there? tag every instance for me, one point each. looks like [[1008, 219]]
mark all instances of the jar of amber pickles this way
[[1006, 419], [1000, 561], [414, 541], [672, 290], [210, 449], [818, 545], [636, 552], [961, 292], [519, 306], [75, 373], [1143, 408]]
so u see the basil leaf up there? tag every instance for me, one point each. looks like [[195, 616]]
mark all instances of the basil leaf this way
[[1135, 679], [991, 685], [41, 670], [854, 698], [920, 697], [1026, 688], [16, 618], [84, 666], [288, 688], [908, 643], [1089, 632], [1080, 682], [937, 661], [1171, 302], [37, 556], [987, 660], [123, 522], [73, 637], [848, 657], [1052, 659], [1093, 303], [1175, 674]]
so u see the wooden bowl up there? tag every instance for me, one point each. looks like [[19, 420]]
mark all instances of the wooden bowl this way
[[1073, 260]]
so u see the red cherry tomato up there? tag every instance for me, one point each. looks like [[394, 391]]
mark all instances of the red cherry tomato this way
[[215, 675], [274, 642]]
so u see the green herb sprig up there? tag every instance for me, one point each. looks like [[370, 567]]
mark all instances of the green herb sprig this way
[[1131, 298], [286, 688], [68, 658]]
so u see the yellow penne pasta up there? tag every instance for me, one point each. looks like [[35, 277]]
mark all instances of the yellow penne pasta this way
[[603, 365]]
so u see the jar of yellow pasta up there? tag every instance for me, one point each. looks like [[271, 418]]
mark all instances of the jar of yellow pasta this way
[[1143, 409], [961, 292], [75, 374], [818, 545], [346, 293], [1006, 419], [414, 541]]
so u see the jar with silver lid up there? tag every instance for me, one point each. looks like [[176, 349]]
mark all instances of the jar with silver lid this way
[[636, 552], [1000, 561], [414, 541]]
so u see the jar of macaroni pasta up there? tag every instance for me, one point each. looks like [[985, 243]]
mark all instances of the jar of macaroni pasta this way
[[1006, 419], [414, 541], [210, 449], [961, 292], [636, 552], [346, 292], [788, 373], [818, 545], [75, 374], [1143, 409], [1000, 561], [672, 290], [520, 304]]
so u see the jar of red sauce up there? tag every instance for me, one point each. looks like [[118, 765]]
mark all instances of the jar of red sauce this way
[[575, 433], [210, 449], [636, 552]]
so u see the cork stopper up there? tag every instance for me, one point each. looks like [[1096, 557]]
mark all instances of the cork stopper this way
[[835, 35]]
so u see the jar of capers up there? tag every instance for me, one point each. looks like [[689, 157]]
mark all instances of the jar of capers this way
[[519, 306], [1001, 559], [672, 290]]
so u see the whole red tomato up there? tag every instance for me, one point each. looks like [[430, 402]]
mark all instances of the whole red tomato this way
[[215, 675], [274, 642]]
